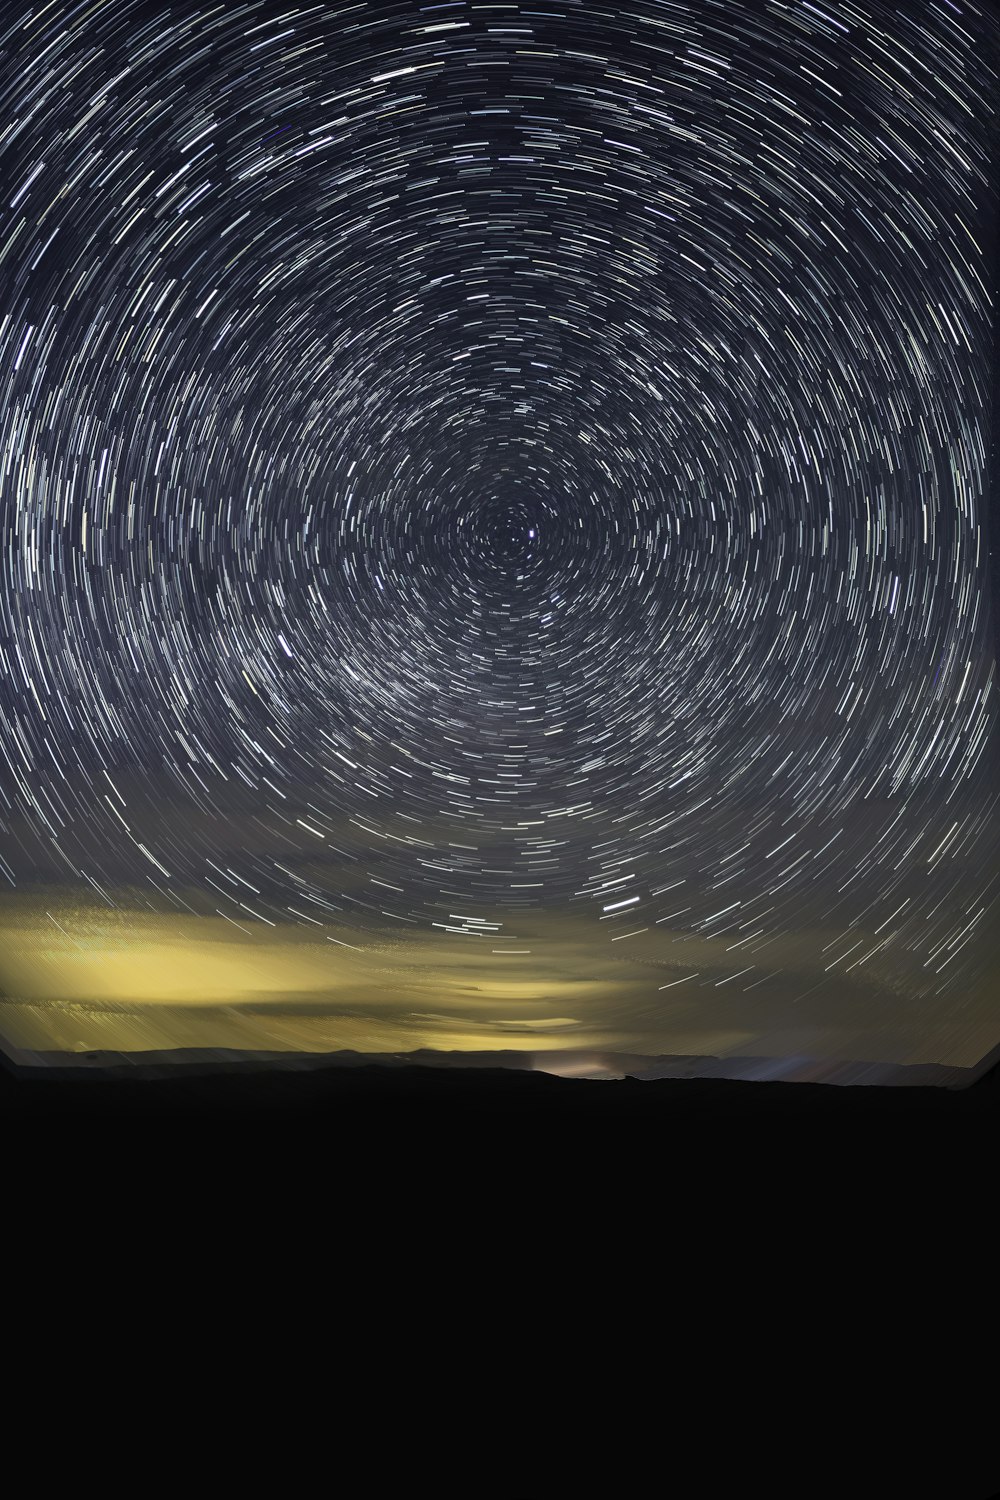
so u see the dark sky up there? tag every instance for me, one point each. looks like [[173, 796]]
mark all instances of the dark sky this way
[[476, 470]]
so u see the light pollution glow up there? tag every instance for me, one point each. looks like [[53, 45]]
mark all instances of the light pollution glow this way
[[80, 979]]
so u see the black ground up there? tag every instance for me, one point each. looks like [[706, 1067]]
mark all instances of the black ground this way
[[566, 1270]]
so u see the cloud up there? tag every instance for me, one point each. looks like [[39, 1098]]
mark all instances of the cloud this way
[[88, 977]]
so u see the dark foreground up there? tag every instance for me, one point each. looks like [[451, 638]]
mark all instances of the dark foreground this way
[[812, 1267]]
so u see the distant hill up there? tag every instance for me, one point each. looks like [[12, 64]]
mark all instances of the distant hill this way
[[565, 1064]]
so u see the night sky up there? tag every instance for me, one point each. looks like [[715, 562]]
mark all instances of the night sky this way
[[495, 540]]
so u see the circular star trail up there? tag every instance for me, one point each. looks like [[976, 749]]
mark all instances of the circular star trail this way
[[468, 460]]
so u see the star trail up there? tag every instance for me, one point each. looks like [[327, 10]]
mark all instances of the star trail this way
[[506, 485]]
